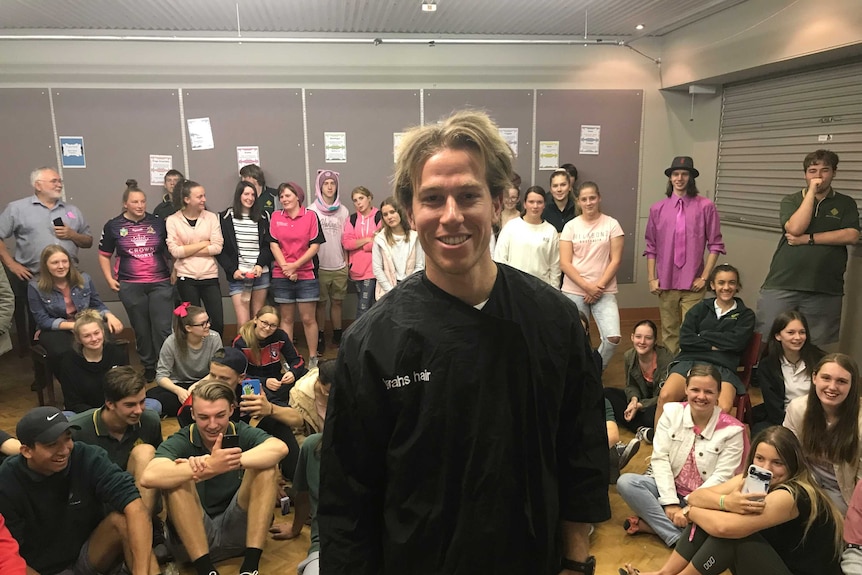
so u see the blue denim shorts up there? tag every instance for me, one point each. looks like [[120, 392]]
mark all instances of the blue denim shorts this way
[[235, 286], [286, 291]]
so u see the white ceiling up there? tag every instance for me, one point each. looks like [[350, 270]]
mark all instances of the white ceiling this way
[[496, 18]]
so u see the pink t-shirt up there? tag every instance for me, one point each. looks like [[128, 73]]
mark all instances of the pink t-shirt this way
[[591, 250], [294, 236]]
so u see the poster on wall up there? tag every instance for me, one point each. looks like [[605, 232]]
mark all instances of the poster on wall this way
[[159, 166], [590, 138], [549, 155], [200, 133], [396, 142], [246, 155], [511, 137], [72, 152], [335, 147]]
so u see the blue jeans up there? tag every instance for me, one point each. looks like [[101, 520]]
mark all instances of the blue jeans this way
[[150, 310], [640, 492], [607, 316], [364, 295]]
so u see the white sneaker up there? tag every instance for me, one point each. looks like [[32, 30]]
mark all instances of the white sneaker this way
[[313, 361]]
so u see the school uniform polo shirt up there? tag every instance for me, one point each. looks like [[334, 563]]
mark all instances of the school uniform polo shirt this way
[[95, 432]]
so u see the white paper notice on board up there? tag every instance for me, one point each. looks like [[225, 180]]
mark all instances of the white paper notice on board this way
[[335, 147], [549, 155], [396, 141], [159, 166], [590, 137], [246, 155], [200, 133], [511, 137]]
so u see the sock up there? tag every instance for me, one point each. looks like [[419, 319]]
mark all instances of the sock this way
[[204, 565], [251, 561], [336, 335]]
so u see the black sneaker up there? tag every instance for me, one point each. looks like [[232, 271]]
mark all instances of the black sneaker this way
[[645, 434], [628, 451], [321, 343]]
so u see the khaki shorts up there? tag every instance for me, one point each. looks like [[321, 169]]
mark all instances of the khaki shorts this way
[[333, 284]]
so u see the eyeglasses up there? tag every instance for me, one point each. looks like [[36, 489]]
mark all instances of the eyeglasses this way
[[206, 323], [267, 325], [55, 181]]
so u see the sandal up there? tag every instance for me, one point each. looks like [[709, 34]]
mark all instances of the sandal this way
[[632, 525]]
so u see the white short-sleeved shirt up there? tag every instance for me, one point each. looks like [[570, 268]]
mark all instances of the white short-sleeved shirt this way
[[591, 250]]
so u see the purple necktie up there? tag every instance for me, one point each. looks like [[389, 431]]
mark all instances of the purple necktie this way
[[679, 235]]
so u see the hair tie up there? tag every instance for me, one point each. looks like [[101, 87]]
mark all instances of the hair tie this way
[[182, 310]]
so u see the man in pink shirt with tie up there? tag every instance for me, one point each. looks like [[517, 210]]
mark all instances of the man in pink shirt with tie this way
[[678, 231]]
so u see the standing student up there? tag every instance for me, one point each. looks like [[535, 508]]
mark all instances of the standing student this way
[[678, 231], [531, 244], [358, 240], [143, 275], [333, 262], [560, 202], [807, 269], [397, 252], [512, 206], [167, 206], [194, 239], [295, 236], [245, 253], [267, 198], [468, 341], [591, 249]]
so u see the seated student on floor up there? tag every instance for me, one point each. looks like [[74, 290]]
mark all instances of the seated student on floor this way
[[58, 293], [265, 346], [827, 423], [68, 506], [851, 559], [228, 365], [184, 358], [715, 331], [127, 431], [219, 499], [645, 368], [696, 445], [792, 529], [784, 371], [82, 369], [10, 559]]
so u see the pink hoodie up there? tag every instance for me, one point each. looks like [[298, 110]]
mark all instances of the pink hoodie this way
[[359, 259]]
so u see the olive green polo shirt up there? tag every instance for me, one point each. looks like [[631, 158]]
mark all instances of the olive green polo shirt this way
[[95, 432]]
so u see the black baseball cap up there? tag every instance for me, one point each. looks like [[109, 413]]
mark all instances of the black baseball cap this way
[[42, 425]]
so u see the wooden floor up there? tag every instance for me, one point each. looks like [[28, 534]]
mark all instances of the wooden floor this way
[[611, 546]]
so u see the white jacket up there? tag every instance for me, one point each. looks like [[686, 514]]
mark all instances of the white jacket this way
[[718, 450]]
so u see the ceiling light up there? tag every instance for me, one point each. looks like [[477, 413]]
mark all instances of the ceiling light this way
[[429, 5], [639, 27]]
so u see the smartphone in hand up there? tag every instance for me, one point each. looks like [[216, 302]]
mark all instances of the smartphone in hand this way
[[58, 222], [251, 387], [229, 440], [757, 480]]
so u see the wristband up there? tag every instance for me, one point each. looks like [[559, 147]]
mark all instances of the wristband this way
[[721, 503]]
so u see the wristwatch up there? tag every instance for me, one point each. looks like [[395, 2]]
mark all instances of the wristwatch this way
[[810, 239], [588, 567]]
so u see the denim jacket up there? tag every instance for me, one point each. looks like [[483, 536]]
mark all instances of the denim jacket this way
[[49, 309]]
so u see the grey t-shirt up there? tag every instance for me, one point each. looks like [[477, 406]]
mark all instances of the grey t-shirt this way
[[31, 222], [193, 366]]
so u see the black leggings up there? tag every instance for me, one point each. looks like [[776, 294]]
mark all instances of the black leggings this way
[[643, 418], [710, 555]]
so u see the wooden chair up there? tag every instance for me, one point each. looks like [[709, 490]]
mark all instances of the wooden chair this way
[[746, 367]]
